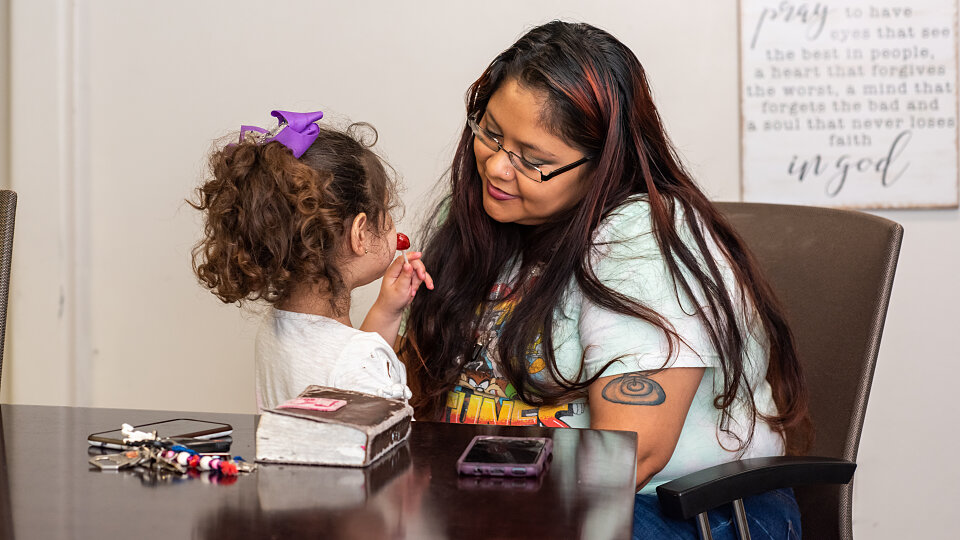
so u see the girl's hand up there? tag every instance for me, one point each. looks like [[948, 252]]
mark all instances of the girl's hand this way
[[397, 289], [401, 281]]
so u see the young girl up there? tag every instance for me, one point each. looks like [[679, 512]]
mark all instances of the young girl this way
[[298, 217]]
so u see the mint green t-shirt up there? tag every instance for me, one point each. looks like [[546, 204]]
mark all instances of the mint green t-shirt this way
[[626, 258]]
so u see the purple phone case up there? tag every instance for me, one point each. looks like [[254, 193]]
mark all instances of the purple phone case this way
[[505, 469]]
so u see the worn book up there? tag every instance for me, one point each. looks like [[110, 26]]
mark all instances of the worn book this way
[[329, 426]]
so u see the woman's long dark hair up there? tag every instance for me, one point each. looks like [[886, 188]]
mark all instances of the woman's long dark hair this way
[[598, 100]]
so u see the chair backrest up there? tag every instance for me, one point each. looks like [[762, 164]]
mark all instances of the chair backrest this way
[[8, 214], [833, 271]]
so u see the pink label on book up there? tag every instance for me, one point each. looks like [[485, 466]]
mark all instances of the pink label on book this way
[[314, 404]]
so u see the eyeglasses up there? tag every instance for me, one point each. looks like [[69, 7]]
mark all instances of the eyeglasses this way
[[528, 169]]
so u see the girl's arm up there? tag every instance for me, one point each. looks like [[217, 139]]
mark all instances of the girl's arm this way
[[384, 322], [653, 405], [397, 289]]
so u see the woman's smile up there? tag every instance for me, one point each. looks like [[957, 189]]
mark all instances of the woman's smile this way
[[499, 194]]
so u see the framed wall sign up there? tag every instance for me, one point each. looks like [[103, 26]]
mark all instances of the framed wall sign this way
[[849, 103]]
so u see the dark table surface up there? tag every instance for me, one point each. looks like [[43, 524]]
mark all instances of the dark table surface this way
[[49, 490]]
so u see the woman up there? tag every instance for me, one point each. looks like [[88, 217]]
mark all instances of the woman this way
[[584, 280]]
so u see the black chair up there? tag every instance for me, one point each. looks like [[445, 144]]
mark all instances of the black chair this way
[[833, 271], [8, 214]]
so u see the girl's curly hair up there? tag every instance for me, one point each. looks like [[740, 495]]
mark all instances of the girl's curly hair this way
[[272, 221]]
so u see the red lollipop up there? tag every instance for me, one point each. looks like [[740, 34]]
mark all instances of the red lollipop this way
[[402, 241]]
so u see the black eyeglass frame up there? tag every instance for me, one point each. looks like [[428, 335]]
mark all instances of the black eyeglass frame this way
[[483, 133]]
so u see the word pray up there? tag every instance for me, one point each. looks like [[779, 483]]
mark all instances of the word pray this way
[[814, 17]]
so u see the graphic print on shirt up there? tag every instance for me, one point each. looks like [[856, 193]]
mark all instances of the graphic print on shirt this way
[[484, 396]]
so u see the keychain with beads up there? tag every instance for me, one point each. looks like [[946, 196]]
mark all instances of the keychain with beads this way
[[222, 463]]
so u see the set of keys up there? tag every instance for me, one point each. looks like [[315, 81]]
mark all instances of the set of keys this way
[[161, 459], [143, 455]]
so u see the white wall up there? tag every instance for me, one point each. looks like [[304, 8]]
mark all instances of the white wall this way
[[115, 104]]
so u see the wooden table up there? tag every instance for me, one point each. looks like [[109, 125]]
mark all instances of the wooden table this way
[[48, 489]]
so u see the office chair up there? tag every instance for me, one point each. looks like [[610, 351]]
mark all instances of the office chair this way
[[832, 271], [8, 214]]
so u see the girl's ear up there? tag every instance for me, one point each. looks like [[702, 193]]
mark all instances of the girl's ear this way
[[359, 234]]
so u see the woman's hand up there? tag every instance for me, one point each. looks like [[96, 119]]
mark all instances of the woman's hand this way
[[653, 405], [397, 289]]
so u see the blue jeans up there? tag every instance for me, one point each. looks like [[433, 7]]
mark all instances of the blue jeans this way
[[773, 515]]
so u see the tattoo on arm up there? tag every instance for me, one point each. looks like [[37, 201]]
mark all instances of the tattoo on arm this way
[[634, 389]]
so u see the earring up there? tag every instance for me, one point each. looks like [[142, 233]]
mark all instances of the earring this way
[[365, 251]]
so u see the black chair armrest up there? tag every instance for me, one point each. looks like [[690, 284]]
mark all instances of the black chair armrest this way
[[704, 490]]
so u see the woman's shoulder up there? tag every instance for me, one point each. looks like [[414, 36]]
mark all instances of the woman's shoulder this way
[[625, 245], [626, 231], [631, 213], [632, 224]]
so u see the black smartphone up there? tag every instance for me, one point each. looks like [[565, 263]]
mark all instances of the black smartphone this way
[[177, 428]]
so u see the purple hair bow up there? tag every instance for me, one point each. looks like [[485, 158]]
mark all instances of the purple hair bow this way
[[296, 131]]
